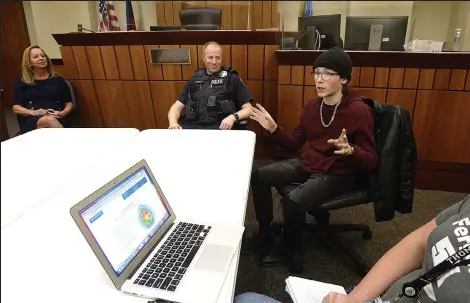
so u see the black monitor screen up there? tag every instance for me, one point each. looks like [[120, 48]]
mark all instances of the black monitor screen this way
[[328, 27], [387, 33]]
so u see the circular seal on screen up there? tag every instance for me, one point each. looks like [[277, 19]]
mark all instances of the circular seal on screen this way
[[223, 73], [145, 216]]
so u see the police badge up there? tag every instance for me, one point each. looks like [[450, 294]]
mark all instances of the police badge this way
[[223, 73]]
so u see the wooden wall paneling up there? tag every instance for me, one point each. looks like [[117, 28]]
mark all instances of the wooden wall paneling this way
[[187, 4], [96, 63], [441, 79], [256, 15], [270, 62], [164, 94], [297, 75], [109, 62], [411, 78], [275, 15], [154, 70], [270, 98], [240, 13], [403, 97], [356, 73], [81, 61], [140, 107], [123, 59], [284, 72], [457, 79], [255, 62], [60, 69], [139, 64], [188, 70], [309, 77], [426, 78], [289, 107], [432, 179], [112, 103], [240, 60], [467, 84], [161, 13], [310, 94], [69, 62], [256, 89], [88, 107], [200, 52], [227, 14], [177, 6], [441, 117], [381, 77], [169, 12], [378, 94], [367, 77], [227, 54], [171, 71], [266, 14], [396, 77]]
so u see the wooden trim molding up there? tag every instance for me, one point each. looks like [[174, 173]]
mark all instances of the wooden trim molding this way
[[450, 60], [188, 37]]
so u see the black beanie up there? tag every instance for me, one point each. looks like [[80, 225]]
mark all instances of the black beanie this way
[[335, 59]]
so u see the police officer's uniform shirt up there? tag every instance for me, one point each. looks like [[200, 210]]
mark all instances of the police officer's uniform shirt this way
[[235, 86], [451, 234]]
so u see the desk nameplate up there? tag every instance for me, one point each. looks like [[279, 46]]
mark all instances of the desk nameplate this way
[[170, 56]]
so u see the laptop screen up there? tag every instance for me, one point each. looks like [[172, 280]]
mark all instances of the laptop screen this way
[[124, 219]]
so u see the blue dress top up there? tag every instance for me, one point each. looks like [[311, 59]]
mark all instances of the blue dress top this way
[[51, 93]]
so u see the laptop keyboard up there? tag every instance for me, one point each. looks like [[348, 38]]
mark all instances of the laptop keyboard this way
[[169, 264]]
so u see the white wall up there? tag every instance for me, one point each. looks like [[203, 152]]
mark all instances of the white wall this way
[[435, 13], [45, 18]]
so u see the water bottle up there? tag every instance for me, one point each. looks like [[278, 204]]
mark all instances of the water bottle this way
[[457, 35]]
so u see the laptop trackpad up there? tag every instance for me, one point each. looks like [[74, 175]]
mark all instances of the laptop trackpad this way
[[214, 258]]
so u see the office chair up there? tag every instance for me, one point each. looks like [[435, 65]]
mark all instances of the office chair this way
[[201, 16], [361, 195]]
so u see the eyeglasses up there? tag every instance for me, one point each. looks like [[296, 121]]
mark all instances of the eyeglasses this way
[[325, 76]]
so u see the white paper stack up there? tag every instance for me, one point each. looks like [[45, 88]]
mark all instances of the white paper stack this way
[[310, 291]]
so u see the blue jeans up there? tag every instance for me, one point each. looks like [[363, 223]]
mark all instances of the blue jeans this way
[[251, 297]]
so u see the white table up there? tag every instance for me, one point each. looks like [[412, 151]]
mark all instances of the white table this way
[[203, 174], [36, 164]]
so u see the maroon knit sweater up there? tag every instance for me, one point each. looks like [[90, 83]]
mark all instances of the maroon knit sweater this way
[[354, 116]]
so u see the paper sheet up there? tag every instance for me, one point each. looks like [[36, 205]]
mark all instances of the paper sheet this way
[[310, 291]]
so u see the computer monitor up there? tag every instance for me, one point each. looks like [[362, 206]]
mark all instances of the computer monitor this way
[[159, 28], [376, 33], [328, 26], [201, 18]]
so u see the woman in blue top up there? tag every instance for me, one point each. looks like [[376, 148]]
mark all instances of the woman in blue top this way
[[42, 97]]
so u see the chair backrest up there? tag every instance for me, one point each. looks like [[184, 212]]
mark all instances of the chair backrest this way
[[201, 15], [73, 96]]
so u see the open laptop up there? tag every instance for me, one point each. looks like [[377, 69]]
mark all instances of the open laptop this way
[[145, 250]]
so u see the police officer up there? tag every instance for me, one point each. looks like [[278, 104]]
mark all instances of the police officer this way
[[214, 98]]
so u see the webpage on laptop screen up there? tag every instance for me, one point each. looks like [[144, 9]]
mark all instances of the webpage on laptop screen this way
[[124, 219]]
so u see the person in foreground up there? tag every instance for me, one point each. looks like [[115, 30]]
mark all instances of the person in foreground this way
[[41, 97], [419, 252], [338, 127], [215, 98]]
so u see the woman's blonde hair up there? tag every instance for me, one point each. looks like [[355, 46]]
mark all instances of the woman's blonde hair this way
[[26, 69]]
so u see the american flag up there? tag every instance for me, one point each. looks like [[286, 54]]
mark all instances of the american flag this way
[[107, 17]]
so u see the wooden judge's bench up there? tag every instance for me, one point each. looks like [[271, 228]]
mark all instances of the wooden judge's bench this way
[[118, 86]]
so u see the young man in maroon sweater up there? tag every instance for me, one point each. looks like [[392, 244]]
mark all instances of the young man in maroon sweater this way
[[339, 130]]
